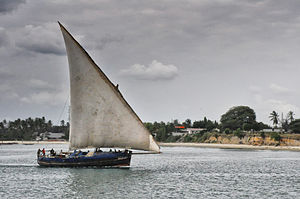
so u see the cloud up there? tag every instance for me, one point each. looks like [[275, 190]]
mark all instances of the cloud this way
[[279, 89], [255, 89], [45, 98], [4, 39], [5, 75], [281, 106], [45, 39], [108, 39], [8, 93], [242, 43], [154, 71], [39, 84], [9, 5]]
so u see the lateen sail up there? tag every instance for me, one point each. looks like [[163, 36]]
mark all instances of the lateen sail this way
[[99, 115]]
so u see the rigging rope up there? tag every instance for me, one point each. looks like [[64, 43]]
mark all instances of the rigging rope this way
[[63, 109]]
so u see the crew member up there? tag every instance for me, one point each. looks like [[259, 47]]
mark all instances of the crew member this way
[[43, 151]]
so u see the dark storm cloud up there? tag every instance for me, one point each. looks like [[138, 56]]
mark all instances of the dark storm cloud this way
[[5, 75], [44, 48], [218, 48], [108, 39], [9, 5], [4, 39], [44, 39]]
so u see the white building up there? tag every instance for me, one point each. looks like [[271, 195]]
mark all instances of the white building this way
[[272, 130], [193, 130], [51, 136], [188, 131]]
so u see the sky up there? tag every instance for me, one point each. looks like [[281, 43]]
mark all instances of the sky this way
[[172, 59]]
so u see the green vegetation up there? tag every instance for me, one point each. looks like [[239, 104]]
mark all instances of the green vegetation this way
[[262, 135], [163, 131], [275, 136], [295, 126], [29, 129], [239, 121], [227, 131], [239, 133], [274, 117], [241, 117]]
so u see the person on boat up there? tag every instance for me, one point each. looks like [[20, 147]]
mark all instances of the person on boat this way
[[38, 152], [52, 152], [98, 150], [60, 154], [43, 151], [73, 154]]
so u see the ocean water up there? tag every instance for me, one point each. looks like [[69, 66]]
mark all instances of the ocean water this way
[[178, 172]]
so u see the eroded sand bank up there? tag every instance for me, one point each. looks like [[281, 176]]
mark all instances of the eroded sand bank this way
[[231, 146]]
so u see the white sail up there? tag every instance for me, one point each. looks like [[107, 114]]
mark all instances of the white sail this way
[[99, 115]]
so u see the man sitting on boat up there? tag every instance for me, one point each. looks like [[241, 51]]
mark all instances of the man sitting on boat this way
[[52, 152]]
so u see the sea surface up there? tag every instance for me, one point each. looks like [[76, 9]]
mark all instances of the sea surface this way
[[178, 172]]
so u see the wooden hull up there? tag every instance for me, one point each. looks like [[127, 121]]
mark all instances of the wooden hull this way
[[104, 159]]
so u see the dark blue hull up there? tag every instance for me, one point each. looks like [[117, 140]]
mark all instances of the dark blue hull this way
[[104, 159]]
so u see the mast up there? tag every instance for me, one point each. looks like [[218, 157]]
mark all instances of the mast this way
[[99, 114]]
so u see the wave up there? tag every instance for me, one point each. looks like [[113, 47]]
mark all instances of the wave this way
[[19, 165]]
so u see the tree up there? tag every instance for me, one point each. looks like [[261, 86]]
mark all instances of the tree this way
[[295, 126], [187, 123], [176, 122], [274, 117], [227, 131], [237, 116], [285, 125], [239, 133], [62, 123], [199, 124], [261, 126], [49, 124], [275, 136], [290, 116]]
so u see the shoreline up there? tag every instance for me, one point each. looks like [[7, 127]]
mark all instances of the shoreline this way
[[33, 142], [230, 146], [178, 144]]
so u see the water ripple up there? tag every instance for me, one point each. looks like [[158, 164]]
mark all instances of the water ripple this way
[[179, 172]]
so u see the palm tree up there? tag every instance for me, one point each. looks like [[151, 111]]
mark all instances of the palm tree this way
[[274, 117], [290, 116]]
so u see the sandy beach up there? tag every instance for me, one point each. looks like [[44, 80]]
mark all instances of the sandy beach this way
[[33, 142], [231, 146]]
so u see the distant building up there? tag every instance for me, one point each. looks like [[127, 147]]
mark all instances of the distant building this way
[[188, 131], [179, 133], [215, 130], [193, 130], [50, 136], [272, 130], [55, 136]]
